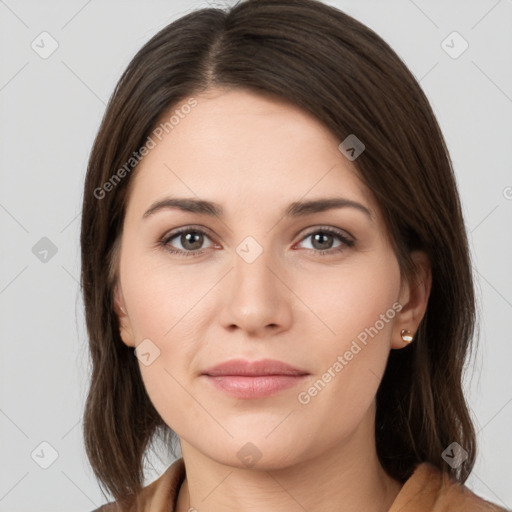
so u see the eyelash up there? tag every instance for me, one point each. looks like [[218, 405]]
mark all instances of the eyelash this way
[[164, 242]]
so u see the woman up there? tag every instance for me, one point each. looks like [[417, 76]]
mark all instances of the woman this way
[[275, 273]]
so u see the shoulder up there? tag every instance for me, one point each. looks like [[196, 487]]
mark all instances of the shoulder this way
[[109, 507], [430, 489], [158, 496]]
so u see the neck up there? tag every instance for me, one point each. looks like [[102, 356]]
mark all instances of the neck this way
[[348, 477]]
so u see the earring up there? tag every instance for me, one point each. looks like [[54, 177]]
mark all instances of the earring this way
[[122, 309], [406, 336]]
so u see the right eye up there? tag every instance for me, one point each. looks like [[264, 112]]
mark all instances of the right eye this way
[[190, 239]]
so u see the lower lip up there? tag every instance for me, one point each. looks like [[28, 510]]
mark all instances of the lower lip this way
[[254, 387]]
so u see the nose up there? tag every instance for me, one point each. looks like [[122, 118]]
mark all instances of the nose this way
[[256, 298]]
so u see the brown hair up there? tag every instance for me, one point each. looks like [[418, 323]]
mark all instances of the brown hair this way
[[333, 66]]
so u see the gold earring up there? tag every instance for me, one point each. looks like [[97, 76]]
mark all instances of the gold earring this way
[[406, 336]]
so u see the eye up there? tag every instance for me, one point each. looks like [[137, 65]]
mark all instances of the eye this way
[[322, 240], [190, 239]]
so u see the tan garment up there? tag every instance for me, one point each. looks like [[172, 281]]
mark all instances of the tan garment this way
[[427, 490]]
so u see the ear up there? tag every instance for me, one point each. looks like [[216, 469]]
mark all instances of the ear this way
[[125, 326], [414, 294]]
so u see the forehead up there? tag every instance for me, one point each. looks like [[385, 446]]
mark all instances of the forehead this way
[[235, 145]]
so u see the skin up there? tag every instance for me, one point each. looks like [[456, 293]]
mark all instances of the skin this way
[[255, 155]]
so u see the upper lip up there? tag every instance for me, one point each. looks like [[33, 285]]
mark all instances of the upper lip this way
[[254, 368]]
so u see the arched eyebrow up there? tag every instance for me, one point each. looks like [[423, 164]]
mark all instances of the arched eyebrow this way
[[295, 209]]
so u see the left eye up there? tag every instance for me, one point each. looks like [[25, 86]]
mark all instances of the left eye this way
[[322, 240]]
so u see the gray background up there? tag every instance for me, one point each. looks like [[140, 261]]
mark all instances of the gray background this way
[[50, 110]]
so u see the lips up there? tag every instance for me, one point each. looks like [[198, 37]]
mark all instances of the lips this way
[[250, 380], [243, 367]]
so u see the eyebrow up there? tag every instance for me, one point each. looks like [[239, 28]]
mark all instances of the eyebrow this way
[[296, 209]]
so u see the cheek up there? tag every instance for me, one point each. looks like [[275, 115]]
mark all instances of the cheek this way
[[356, 304], [161, 294], [166, 308], [349, 299]]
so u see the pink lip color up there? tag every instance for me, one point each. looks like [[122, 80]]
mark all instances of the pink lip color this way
[[254, 387], [245, 379]]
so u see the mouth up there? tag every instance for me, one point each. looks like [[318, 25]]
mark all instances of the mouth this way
[[259, 379]]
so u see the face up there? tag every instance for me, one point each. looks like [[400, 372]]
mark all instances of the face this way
[[319, 290]]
